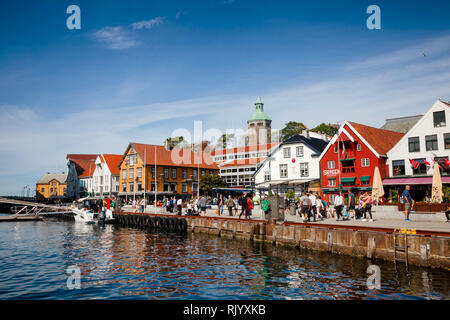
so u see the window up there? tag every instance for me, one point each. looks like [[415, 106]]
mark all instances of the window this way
[[184, 187], [131, 174], [203, 172], [194, 174], [422, 168], [267, 175], [139, 186], [439, 119], [299, 151], [348, 166], [283, 170], [358, 147], [153, 172], [173, 187], [447, 140], [331, 165], [174, 173], [304, 172], [287, 152], [194, 187], [166, 173], [211, 173], [139, 172], [166, 187], [414, 144], [398, 167], [444, 168], [365, 182], [131, 187], [332, 182], [53, 183], [365, 162], [42, 190], [431, 142], [335, 149], [184, 173]]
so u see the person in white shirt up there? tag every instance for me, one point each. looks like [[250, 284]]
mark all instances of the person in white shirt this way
[[313, 208], [319, 206], [179, 206], [338, 205]]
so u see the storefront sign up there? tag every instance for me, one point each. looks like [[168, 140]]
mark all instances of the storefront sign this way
[[333, 172]]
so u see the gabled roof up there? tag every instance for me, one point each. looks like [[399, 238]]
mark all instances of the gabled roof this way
[[187, 158], [112, 161], [379, 139], [315, 144], [60, 177], [84, 164], [403, 124]]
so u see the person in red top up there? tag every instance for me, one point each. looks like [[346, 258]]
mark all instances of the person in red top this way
[[108, 204], [248, 211]]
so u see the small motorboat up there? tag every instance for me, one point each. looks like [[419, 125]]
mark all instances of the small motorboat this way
[[83, 215]]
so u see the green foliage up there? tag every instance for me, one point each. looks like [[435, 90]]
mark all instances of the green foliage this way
[[290, 194], [270, 193], [291, 129], [175, 141], [325, 128], [208, 182], [224, 138]]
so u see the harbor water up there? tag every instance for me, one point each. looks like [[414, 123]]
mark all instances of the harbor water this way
[[126, 263]]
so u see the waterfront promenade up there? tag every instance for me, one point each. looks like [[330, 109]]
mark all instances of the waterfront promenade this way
[[395, 221]]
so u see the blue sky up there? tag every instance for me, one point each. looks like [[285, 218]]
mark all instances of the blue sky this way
[[138, 70]]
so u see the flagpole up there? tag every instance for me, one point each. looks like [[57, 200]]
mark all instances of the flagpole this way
[[156, 182], [145, 175]]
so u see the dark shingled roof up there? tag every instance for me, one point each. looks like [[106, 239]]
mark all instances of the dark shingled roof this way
[[314, 143]]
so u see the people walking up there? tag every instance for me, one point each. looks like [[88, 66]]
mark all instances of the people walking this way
[[319, 207], [179, 206], [304, 206], [243, 203], [338, 205], [248, 211], [230, 206], [202, 205], [313, 208], [220, 204], [142, 204], [408, 201], [351, 204], [367, 206]]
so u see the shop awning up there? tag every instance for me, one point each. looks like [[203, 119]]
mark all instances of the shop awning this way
[[350, 159], [348, 180], [413, 181], [364, 178]]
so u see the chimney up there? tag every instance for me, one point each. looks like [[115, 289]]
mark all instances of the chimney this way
[[305, 133]]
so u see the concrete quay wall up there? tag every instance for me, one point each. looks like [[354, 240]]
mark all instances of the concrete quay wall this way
[[423, 250]]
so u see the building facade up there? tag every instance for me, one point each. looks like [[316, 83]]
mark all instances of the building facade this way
[[159, 171], [52, 186], [79, 170], [259, 126], [349, 160], [106, 175], [411, 160], [292, 165]]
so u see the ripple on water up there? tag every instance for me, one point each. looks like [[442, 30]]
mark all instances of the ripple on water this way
[[123, 263]]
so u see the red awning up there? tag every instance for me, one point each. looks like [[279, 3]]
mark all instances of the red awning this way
[[405, 181]]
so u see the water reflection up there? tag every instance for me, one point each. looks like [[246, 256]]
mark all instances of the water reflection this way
[[123, 263]]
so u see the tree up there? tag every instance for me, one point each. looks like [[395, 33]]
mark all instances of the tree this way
[[291, 129], [222, 142], [173, 142], [209, 182], [326, 128]]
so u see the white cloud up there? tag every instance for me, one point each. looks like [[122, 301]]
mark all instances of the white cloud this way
[[148, 24], [116, 38]]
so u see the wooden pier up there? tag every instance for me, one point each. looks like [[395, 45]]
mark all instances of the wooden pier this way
[[14, 217]]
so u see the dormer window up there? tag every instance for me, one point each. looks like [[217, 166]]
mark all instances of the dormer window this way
[[439, 119]]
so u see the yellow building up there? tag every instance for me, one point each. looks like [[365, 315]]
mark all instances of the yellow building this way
[[51, 186]]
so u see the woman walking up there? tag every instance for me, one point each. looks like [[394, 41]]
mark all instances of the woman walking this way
[[367, 206], [230, 206]]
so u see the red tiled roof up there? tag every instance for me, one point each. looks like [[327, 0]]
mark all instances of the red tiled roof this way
[[243, 162], [379, 139], [261, 147], [180, 157], [82, 156], [85, 168], [112, 160]]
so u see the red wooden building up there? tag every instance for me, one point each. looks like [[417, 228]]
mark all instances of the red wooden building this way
[[349, 160]]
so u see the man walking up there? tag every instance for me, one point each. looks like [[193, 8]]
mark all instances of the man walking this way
[[230, 206], [407, 200], [243, 203], [351, 205], [179, 206], [338, 205], [313, 208], [220, 204], [305, 206]]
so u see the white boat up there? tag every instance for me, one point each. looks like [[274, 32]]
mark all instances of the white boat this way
[[108, 218], [83, 215]]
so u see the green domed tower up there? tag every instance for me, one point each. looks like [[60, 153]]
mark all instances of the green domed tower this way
[[259, 125]]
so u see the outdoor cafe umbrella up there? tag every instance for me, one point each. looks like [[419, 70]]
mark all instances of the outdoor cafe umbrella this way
[[377, 188], [436, 189]]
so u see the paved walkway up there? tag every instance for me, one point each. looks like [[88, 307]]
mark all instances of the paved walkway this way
[[380, 223]]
